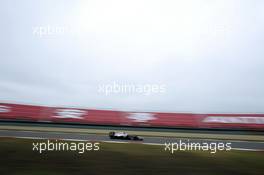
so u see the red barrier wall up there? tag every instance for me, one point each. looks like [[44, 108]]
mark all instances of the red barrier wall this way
[[106, 117]]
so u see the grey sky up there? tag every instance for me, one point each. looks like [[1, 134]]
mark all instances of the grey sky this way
[[208, 53]]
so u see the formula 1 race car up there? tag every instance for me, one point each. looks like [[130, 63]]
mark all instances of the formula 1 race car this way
[[124, 136]]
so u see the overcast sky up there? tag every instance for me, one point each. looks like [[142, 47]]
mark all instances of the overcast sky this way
[[209, 54]]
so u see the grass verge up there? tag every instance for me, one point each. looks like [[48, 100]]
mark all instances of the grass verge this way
[[17, 157]]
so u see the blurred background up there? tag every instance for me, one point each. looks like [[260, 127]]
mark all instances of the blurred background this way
[[206, 56]]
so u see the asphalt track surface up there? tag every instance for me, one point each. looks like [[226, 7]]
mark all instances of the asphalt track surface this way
[[236, 145]]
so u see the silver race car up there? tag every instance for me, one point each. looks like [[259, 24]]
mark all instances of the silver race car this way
[[124, 136]]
